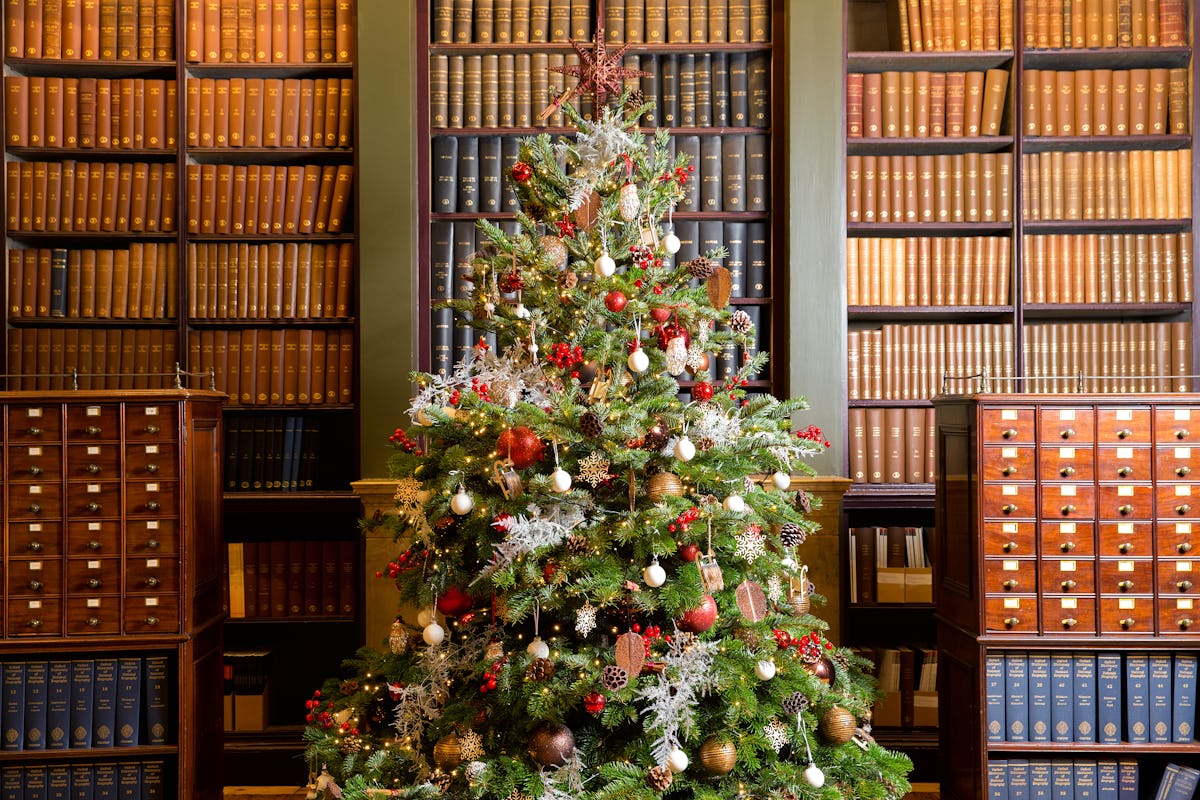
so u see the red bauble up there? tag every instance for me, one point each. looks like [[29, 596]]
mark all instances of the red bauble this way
[[700, 618], [689, 552], [454, 602], [660, 314], [521, 172], [702, 391], [593, 703], [666, 333], [521, 445], [615, 301]]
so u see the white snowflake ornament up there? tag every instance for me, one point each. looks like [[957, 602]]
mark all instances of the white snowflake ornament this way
[[777, 734], [470, 746], [585, 619], [594, 469], [750, 544]]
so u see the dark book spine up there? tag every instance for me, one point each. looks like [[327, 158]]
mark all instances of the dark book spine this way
[[12, 712], [152, 780], [704, 81], [709, 174], [732, 173], [668, 108], [690, 145], [720, 90], [739, 90], [490, 178], [757, 253], [735, 243], [687, 90], [468, 175], [36, 679], [81, 703], [649, 63], [758, 81], [58, 282], [129, 697], [58, 705], [104, 712], [156, 702], [757, 172]]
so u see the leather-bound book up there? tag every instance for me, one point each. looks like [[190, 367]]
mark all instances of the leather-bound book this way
[[955, 103], [994, 91]]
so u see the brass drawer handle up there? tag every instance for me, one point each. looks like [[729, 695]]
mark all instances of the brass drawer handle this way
[[152, 544], [1125, 510], [152, 505], [1008, 433], [1008, 547], [1009, 584], [34, 623], [1124, 433], [1185, 623], [93, 583], [152, 582], [1008, 508], [1184, 547], [151, 621], [1067, 433], [35, 547], [93, 468], [1068, 585], [1184, 585], [1127, 622], [1070, 622], [1067, 472], [35, 586], [93, 545], [35, 508], [152, 468], [1184, 470], [1012, 622], [1008, 470], [34, 431], [93, 507], [35, 470], [93, 622], [92, 430], [1125, 547], [1125, 586], [1068, 509], [1067, 547], [1182, 433], [1182, 509], [152, 429], [1125, 471]]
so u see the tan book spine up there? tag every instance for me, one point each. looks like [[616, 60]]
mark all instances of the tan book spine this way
[[872, 108], [937, 104], [1139, 101], [973, 103], [994, 92], [907, 104], [1183, 261], [890, 104], [955, 103]]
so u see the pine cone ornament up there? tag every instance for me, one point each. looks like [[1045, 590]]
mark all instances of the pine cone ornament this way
[[791, 534], [740, 321], [635, 99], [705, 443], [577, 545], [591, 425], [568, 280], [795, 703], [659, 778], [441, 781], [540, 669], [700, 267], [615, 679], [350, 744]]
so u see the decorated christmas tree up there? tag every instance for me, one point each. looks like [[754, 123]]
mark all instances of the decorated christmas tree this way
[[602, 539]]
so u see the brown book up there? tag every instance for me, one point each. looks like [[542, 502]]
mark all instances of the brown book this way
[[311, 31], [316, 282], [309, 192], [1157, 101], [14, 28], [921, 104], [1120, 106], [973, 102], [333, 100], [304, 127], [291, 375], [907, 104], [279, 31], [253, 113], [272, 112], [872, 109], [266, 198], [994, 91], [1139, 102], [52, 112], [295, 31], [253, 180], [344, 279], [16, 99], [890, 104], [343, 31], [223, 191], [340, 200], [289, 119], [895, 442], [317, 368], [876, 444], [345, 382], [219, 117], [262, 31], [955, 103], [279, 201], [345, 113]]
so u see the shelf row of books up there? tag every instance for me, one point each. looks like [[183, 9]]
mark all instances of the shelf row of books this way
[[1088, 268], [106, 30], [292, 579], [890, 565], [90, 113], [1114, 357], [925, 104], [83, 703], [276, 32], [892, 445], [247, 691], [1079, 24], [719, 90], [1105, 102], [276, 366], [1070, 779], [1107, 185], [959, 187], [91, 358], [1088, 696], [281, 280], [262, 199], [942, 25], [928, 271], [135, 780], [101, 197], [270, 112], [271, 453], [137, 282], [908, 679]]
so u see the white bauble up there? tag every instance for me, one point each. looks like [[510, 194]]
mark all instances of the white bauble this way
[[677, 760], [560, 480], [605, 266], [735, 503], [462, 503], [654, 575], [639, 361], [788, 562], [433, 634], [782, 480], [684, 449], [814, 777], [671, 243], [426, 616], [538, 649], [765, 670]]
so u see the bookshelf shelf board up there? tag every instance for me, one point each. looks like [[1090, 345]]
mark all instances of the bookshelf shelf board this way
[[888, 495], [890, 404], [906, 738], [936, 145], [77, 646], [89, 322], [1157, 748], [924, 228], [892, 608], [290, 501], [93, 154], [1111, 226], [750, 301], [469, 48], [291, 620], [1057, 641], [299, 70], [80, 237], [272, 322], [76, 68], [1111, 57], [72, 754], [273, 155], [271, 237], [513, 131], [865, 313], [1066, 310], [962, 60], [1043, 144], [295, 407]]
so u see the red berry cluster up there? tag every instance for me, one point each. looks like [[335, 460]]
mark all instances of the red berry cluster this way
[[563, 356], [649, 635], [480, 388], [490, 675], [808, 643], [685, 519], [320, 712], [813, 434], [511, 282], [680, 174], [644, 257], [401, 564], [401, 440]]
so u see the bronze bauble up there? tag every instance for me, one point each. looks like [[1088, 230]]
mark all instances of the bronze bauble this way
[[822, 668], [837, 725], [446, 753], [718, 755], [551, 744]]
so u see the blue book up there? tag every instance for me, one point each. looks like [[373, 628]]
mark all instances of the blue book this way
[[1016, 694], [152, 780], [129, 701], [104, 787], [1085, 697], [993, 678], [1183, 699], [12, 783], [35, 705], [1041, 784], [58, 705], [1166, 784], [1185, 784], [58, 782], [81, 781], [1107, 780], [997, 779], [12, 713], [1137, 698], [156, 700], [1109, 703], [1018, 779], [1062, 698], [1127, 780], [129, 781], [1159, 681], [81, 703], [35, 783], [1062, 775], [1039, 697], [104, 712], [1085, 779]]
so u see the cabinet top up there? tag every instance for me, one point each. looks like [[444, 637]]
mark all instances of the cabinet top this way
[[1061, 398], [121, 395]]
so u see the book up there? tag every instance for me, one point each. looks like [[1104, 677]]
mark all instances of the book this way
[[104, 710], [1039, 693], [1109, 702], [995, 697], [1137, 697], [1159, 684], [128, 701], [156, 699], [81, 699], [12, 711], [1177, 783], [36, 692], [1062, 698], [1183, 698], [58, 704]]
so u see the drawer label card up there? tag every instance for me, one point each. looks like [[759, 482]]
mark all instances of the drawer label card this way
[[35, 566], [93, 450], [1069, 602], [33, 412], [35, 527], [35, 604], [1067, 491], [1066, 566], [1066, 452], [1066, 527], [1125, 528], [93, 488], [151, 487], [151, 449], [1183, 566], [1124, 452], [1010, 565], [35, 488], [1183, 527], [151, 601], [94, 526], [93, 602], [1125, 566], [1012, 602], [93, 564], [1183, 452], [1183, 603], [1010, 527], [35, 451], [1183, 490], [1066, 414], [93, 411], [1124, 491], [151, 411], [1008, 452], [1008, 489], [1183, 413], [151, 563], [1008, 413], [1124, 414], [1125, 603], [152, 525]]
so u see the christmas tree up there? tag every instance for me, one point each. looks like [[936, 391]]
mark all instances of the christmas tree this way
[[601, 537]]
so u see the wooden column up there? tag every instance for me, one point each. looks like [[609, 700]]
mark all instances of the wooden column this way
[[822, 551], [380, 599]]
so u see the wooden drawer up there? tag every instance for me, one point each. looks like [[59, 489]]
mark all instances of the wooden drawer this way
[[1011, 424], [1068, 500], [1175, 539], [150, 460], [1124, 463], [1011, 614], [1067, 539], [34, 539], [94, 422], [1177, 501], [34, 462], [152, 614], [150, 422], [94, 461], [151, 498], [94, 615], [93, 499], [30, 501], [1178, 576], [1176, 424], [35, 617], [1073, 576], [151, 575], [94, 538], [1126, 539], [93, 576], [1009, 462], [1128, 575], [1012, 539], [1126, 614], [151, 537], [35, 577], [34, 423], [1065, 462], [1178, 615], [1010, 575], [1176, 462], [1125, 501], [1068, 614], [1067, 425], [1116, 425], [1008, 500]]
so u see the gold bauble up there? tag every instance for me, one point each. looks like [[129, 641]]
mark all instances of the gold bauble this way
[[447, 753], [837, 725], [664, 484], [800, 604], [718, 755]]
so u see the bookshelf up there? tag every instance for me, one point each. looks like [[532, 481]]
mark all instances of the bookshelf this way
[[180, 186], [1018, 187], [483, 81]]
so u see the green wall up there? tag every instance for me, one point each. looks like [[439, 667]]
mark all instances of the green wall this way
[[388, 208]]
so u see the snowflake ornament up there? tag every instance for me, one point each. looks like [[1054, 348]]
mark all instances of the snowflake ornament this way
[[470, 746], [750, 544], [775, 589], [594, 469], [777, 734], [408, 494], [585, 619]]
